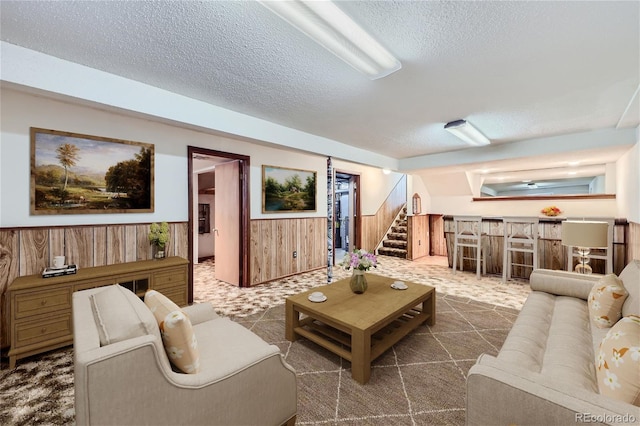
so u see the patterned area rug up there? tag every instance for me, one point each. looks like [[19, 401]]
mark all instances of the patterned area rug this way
[[419, 381]]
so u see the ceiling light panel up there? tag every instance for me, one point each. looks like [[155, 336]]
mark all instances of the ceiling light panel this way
[[334, 30], [465, 131]]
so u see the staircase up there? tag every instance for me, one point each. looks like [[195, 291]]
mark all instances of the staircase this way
[[395, 244]]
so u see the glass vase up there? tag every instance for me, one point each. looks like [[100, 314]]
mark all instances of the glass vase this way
[[358, 282], [158, 252]]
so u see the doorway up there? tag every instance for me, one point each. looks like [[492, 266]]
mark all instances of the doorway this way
[[347, 228], [219, 214]]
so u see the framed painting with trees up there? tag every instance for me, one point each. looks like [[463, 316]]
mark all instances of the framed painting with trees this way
[[78, 174], [288, 190]]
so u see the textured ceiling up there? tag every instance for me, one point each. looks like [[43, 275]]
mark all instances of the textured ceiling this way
[[517, 70]]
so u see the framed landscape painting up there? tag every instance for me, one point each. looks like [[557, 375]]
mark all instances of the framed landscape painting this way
[[79, 174], [288, 190]]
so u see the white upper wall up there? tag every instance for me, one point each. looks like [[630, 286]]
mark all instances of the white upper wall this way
[[628, 183], [20, 111], [375, 185], [464, 205]]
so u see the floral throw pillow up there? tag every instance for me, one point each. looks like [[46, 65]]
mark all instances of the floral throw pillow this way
[[605, 301], [159, 304], [177, 333], [180, 342], [618, 361]]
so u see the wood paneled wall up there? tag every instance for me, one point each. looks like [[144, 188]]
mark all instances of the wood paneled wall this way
[[27, 251], [273, 242], [633, 247], [437, 241], [374, 227], [551, 253], [417, 236]]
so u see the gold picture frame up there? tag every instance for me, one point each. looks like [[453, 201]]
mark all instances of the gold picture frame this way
[[287, 190], [73, 173]]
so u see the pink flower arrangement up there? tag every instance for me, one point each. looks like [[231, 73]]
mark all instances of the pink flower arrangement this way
[[359, 259]]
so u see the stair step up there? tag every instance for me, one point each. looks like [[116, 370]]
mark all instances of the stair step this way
[[397, 236], [387, 251], [399, 229], [395, 244]]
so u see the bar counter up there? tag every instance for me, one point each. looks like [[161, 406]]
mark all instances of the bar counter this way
[[551, 253]]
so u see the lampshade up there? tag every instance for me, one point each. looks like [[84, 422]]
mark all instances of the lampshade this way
[[330, 27], [585, 234], [465, 131]]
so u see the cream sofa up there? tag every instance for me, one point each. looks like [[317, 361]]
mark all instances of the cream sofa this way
[[545, 372], [242, 379]]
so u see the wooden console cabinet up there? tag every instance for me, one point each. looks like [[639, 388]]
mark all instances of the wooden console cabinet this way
[[40, 308]]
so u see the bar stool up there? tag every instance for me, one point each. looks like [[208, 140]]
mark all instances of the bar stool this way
[[520, 236], [468, 233]]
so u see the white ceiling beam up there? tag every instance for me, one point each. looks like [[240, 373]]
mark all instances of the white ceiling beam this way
[[526, 148]]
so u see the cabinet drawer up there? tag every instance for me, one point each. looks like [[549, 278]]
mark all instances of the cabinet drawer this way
[[171, 279], [178, 296], [29, 304], [93, 284], [40, 331]]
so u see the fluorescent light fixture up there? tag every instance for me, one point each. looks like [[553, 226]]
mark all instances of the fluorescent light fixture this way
[[465, 131], [330, 27]]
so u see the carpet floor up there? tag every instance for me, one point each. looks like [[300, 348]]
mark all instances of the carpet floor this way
[[420, 381]]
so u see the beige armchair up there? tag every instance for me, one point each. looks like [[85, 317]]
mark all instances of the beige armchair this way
[[242, 379]]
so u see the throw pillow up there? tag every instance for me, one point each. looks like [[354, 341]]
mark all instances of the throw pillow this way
[[605, 301], [116, 316], [159, 304], [177, 333], [618, 361], [180, 342]]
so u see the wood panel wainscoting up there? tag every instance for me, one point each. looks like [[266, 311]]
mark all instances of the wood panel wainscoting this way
[[374, 227], [274, 241], [425, 236], [27, 251], [417, 236], [437, 241], [551, 253], [633, 248]]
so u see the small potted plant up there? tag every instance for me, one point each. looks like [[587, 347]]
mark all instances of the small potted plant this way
[[158, 237]]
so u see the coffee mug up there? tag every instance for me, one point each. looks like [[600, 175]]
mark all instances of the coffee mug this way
[[58, 261], [316, 295]]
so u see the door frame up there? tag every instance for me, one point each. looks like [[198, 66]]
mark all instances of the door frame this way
[[357, 223], [243, 256]]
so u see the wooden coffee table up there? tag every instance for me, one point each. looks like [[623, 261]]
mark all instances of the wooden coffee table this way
[[360, 327]]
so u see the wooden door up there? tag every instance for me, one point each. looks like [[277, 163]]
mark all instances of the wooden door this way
[[437, 242], [227, 221]]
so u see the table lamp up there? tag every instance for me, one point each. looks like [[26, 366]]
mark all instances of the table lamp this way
[[584, 235]]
